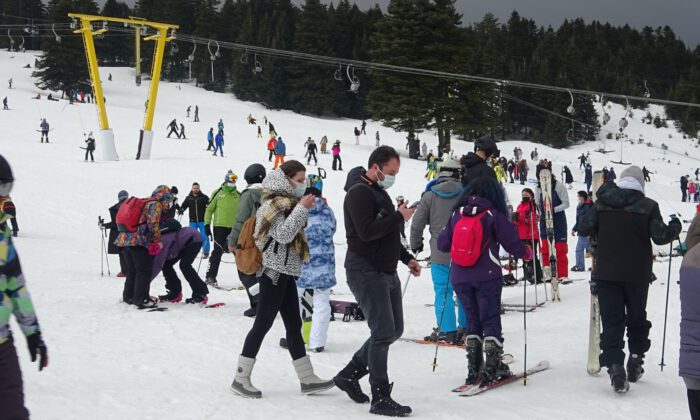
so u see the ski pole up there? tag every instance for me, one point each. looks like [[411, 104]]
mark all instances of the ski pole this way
[[102, 255], [104, 248], [525, 325], [442, 315], [668, 289], [201, 257], [408, 279]]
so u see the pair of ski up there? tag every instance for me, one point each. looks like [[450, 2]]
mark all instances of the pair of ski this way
[[546, 190], [475, 389], [165, 308]]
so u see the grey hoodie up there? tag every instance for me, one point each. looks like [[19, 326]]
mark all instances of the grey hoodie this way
[[435, 209]]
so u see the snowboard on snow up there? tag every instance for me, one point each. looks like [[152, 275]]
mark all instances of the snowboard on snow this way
[[471, 390], [546, 189]]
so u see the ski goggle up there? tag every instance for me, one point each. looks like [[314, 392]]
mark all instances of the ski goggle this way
[[231, 178], [5, 188]]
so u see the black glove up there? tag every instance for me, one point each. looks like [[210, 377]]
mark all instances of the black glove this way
[[675, 223], [417, 249], [516, 216], [594, 287], [207, 231], [36, 344]]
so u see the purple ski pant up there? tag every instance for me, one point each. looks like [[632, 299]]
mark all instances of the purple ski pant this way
[[482, 304]]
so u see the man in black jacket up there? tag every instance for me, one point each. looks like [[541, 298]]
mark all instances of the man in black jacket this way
[[372, 227], [474, 163], [113, 232], [197, 202], [620, 225]]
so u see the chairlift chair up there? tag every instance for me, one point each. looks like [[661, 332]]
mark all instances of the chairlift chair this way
[[338, 75], [258, 66], [12, 41], [58, 37], [190, 57], [570, 109], [73, 23], [354, 81]]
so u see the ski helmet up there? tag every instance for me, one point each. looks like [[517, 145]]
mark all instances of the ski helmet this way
[[450, 168], [254, 174], [487, 145]]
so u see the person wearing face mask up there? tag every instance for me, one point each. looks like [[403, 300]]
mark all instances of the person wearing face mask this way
[[279, 234], [221, 213], [373, 227], [526, 217]]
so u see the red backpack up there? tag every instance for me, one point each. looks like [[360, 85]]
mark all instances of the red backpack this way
[[466, 240], [129, 214]]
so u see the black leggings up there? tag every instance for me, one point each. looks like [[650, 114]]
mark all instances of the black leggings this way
[[694, 404], [272, 299], [186, 257]]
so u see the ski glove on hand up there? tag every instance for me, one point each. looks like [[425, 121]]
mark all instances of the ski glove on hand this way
[[594, 287], [36, 345], [417, 249], [675, 223], [528, 254], [207, 231], [154, 249]]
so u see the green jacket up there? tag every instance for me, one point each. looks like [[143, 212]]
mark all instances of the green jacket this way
[[223, 206], [248, 205]]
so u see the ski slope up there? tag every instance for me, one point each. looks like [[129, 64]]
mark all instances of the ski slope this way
[[110, 361]]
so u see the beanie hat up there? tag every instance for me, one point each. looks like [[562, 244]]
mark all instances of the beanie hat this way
[[230, 177], [633, 172], [123, 195], [173, 190]]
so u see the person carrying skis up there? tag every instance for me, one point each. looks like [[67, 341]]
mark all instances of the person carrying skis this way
[[588, 177], [197, 202], [621, 223], [210, 140], [114, 231], [476, 274], [220, 126], [141, 245], [526, 219], [271, 144], [474, 163], [432, 169], [372, 227], [584, 204], [196, 113], [179, 245], [219, 144], [568, 178], [90, 147], [182, 132], [248, 204], [324, 145], [220, 213], [173, 128], [279, 234], [337, 161], [44, 130], [434, 209], [311, 149], [15, 300], [357, 136], [560, 202], [280, 152]]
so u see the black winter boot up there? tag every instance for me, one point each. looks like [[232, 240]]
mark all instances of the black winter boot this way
[[384, 405], [494, 368], [348, 380], [475, 359], [618, 378], [635, 367]]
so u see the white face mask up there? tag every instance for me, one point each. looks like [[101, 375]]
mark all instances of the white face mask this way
[[299, 189], [388, 180]]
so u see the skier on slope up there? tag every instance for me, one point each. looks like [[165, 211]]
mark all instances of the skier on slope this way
[[337, 161], [567, 177], [90, 147], [324, 145], [582, 161], [196, 113], [44, 130], [279, 233], [478, 281], [271, 144], [210, 139], [560, 202], [526, 219], [522, 171], [474, 163], [196, 201], [182, 132], [311, 149], [435, 209], [248, 204], [588, 177], [219, 144], [4, 103], [646, 173], [432, 172], [280, 152], [173, 128], [621, 223], [357, 136], [220, 213], [114, 231], [584, 204], [220, 126], [15, 300]]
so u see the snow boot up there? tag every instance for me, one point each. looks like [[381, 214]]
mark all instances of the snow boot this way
[[201, 299], [120, 274], [494, 368], [635, 367], [211, 281], [384, 405], [475, 359], [251, 312], [618, 378], [170, 297], [148, 303], [241, 382], [205, 255], [348, 380], [310, 383], [283, 343]]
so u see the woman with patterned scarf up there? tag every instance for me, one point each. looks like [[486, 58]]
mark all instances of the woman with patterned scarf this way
[[279, 234]]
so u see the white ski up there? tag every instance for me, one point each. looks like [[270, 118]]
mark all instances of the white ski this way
[[593, 365], [546, 188]]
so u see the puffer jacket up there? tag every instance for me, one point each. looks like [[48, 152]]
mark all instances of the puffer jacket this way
[[319, 271], [148, 231], [689, 358], [278, 255], [280, 147], [435, 209], [525, 221], [222, 208]]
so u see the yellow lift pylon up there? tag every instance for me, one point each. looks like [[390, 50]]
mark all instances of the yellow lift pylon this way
[[165, 33]]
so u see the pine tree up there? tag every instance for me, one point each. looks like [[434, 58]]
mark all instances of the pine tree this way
[[116, 48]]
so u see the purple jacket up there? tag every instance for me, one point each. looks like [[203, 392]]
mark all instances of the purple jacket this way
[[173, 244], [497, 228], [689, 363]]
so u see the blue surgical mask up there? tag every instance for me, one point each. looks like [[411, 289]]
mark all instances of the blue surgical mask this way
[[387, 182]]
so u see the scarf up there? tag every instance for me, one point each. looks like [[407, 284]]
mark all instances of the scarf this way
[[282, 205]]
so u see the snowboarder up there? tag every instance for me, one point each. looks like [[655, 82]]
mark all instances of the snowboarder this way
[[280, 219], [114, 231], [526, 219], [210, 140], [588, 177], [474, 163], [280, 152], [324, 145], [376, 139], [220, 126], [434, 209], [90, 148], [220, 213], [182, 132], [219, 144], [478, 280], [311, 152], [684, 187], [196, 201], [363, 127], [271, 144], [560, 202], [141, 245], [248, 204], [584, 204], [357, 136], [15, 300], [645, 172], [337, 161], [621, 223], [173, 128], [372, 227], [44, 130], [568, 178], [196, 113]]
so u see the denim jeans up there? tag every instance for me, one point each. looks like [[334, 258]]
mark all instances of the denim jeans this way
[[581, 246]]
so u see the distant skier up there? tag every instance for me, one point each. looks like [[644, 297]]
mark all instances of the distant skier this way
[[10, 83], [645, 172], [424, 150], [173, 129], [584, 204], [182, 132], [90, 148], [259, 132], [220, 126], [612, 176], [337, 162], [44, 130], [109, 77], [280, 152], [364, 126], [357, 136], [522, 171], [210, 139], [311, 149], [4, 103], [271, 144], [568, 178], [251, 120], [684, 187], [582, 161], [219, 141], [188, 110], [196, 113], [588, 177], [376, 139], [272, 129], [324, 145], [534, 155]]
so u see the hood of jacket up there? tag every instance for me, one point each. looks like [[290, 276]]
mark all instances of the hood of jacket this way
[[162, 194], [613, 196], [446, 187], [319, 205], [354, 177], [475, 205], [472, 159], [276, 182]]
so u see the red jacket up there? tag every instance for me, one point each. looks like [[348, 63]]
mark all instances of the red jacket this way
[[271, 144], [525, 219]]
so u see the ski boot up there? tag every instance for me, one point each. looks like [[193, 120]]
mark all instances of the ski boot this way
[[475, 359], [618, 378], [384, 405], [148, 303], [317, 349], [436, 336], [241, 382], [348, 380], [310, 383], [635, 367], [205, 255], [170, 297], [494, 368], [211, 281], [201, 299]]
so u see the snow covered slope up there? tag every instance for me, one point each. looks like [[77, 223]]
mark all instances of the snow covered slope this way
[[109, 361]]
